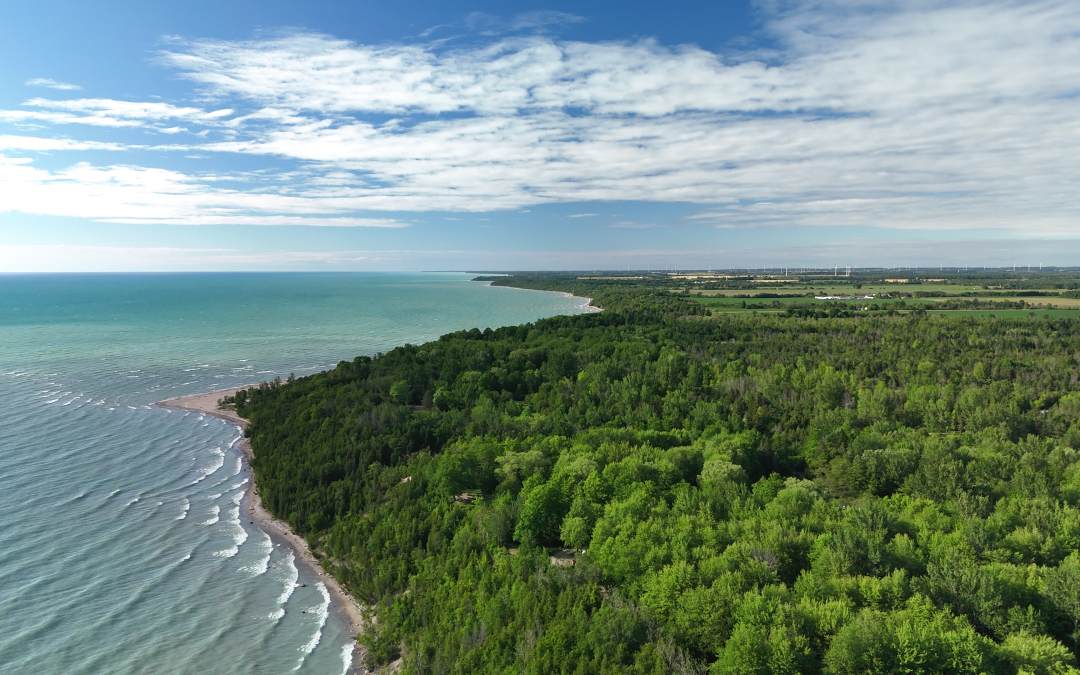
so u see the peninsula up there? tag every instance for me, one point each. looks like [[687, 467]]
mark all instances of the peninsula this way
[[689, 483]]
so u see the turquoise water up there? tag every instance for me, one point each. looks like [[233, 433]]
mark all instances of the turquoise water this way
[[122, 547]]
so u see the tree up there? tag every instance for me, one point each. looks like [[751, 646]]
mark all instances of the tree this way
[[1063, 589]]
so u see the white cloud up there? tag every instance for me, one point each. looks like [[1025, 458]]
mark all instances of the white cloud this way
[[31, 116], [136, 195], [51, 84], [111, 113], [910, 114], [261, 220], [489, 24], [37, 144]]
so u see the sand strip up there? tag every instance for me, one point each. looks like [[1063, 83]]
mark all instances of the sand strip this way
[[341, 600]]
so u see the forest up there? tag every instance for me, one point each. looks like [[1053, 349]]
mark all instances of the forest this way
[[656, 488]]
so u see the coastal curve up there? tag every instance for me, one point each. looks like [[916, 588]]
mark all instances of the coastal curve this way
[[342, 601]]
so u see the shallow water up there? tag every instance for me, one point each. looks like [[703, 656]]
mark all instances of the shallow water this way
[[122, 546]]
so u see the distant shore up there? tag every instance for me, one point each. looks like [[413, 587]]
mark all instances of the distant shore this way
[[588, 301], [346, 605]]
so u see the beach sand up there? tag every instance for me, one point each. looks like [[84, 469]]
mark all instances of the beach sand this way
[[341, 600]]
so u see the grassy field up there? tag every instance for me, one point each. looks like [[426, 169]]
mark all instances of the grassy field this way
[[1064, 307], [1002, 313], [715, 301], [1057, 302], [1008, 313], [847, 289]]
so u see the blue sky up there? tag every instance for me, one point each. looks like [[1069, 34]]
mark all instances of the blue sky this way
[[591, 135]]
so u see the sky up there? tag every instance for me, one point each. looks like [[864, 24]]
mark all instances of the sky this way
[[196, 135]]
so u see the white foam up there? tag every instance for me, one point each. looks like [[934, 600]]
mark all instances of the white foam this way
[[291, 575], [346, 656], [276, 614], [219, 461], [187, 557], [260, 566], [53, 401], [239, 464], [139, 496], [214, 511], [322, 611], [239, 534], [243, 482], [213, 497], [186, 508]]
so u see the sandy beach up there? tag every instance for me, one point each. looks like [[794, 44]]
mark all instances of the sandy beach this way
[[341, 600]]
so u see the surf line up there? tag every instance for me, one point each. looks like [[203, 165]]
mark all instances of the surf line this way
[[343, 601]]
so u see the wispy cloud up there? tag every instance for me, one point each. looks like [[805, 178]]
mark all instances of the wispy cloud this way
[[581, 215], [38, 144], [630, 225], [900, 114], [229, 219], [543, 21], [51, 84], [136, 195]]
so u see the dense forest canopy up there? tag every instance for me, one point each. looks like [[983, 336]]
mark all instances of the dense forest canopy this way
[[656, 489]]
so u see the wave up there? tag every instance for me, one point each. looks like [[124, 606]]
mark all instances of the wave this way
[[239, 534], [186, 508], [291, 576], [347, 650], [260, 566], [243, 482], [214, 510], [276, 614], [322, 612], [219, 461]]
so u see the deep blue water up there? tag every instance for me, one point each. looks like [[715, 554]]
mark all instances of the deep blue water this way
[[122, 549]]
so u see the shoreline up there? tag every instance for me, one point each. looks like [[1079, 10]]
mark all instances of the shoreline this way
[[592, 309], [341, 600]]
